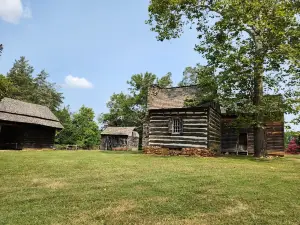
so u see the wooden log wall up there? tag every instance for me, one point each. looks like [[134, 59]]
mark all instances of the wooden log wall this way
[[274, 135], [11, 136], [133, 143], [194, 130], [250, 140], [214, 128], [230, 136], [109, 142], [36, 136]]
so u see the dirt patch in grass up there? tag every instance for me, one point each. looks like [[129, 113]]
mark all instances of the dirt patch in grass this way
[[120, 207], [140, 188], [114, 213], [48, 183], [159, 199], [238, 208]]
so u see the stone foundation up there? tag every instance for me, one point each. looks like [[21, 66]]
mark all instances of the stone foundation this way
[[156, 150]]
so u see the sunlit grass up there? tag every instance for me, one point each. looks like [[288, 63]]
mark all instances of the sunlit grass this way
[[92, 187]]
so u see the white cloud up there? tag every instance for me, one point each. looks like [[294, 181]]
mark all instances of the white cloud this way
[[77, 82], [12, 11]]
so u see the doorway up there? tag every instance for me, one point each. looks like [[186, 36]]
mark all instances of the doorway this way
[[243, 142]]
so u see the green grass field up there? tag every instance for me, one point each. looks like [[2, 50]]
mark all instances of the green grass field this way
[[92, 187]]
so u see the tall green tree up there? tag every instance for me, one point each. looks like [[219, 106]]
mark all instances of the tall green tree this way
[[86, 129], [204, 77], [165, 81], [32, 89], [121, 111], [21, 75], [130, 109], [6, 87], [253, 47], [46, 93], [67, 135]]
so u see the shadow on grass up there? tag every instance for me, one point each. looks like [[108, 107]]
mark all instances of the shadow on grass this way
[[121, 152], [251, 158]]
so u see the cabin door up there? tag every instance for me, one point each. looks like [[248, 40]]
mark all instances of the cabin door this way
[[243, 142]]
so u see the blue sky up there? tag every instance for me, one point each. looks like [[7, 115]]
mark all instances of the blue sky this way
[[104, 42], [90, 48]]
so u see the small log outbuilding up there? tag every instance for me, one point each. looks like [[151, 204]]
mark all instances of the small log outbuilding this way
[[26, 125], [119, 138]]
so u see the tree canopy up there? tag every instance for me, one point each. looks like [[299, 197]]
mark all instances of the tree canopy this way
[[6, 87], [80, 128], [85, 128], [252, 48], [21, 84], [130, 109], [65, 136]]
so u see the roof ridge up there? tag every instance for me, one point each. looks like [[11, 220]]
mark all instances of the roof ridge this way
[[23, 108], [17, 100], [20, 114]]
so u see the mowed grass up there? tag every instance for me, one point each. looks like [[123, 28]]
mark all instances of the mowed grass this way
[[92, 187]]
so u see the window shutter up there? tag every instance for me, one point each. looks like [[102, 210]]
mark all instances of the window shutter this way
[[181, 125], [170, 125]]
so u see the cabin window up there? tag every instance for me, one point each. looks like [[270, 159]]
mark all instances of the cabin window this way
[[176, 126]]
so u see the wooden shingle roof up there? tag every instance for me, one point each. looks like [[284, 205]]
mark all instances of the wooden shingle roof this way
[[126, 131], [23, 112], [168, 98]]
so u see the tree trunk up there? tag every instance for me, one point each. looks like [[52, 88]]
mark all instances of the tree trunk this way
[[259, 142], [259, 134]]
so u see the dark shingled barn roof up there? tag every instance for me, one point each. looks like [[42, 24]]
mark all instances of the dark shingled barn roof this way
[[127, 131], [23, 112], [168, 98]]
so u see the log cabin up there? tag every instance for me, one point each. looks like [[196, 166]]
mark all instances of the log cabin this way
[[171, 124], [119, 139], [26, 125]]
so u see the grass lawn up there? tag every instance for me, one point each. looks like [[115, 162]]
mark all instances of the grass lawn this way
[[92, 187]]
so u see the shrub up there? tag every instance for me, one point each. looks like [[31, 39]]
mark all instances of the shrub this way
[[215, 148], [293, 147]]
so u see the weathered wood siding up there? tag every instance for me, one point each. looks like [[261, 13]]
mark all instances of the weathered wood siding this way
[[109, 142], [229, 136], [275, 136], [194, 130], [19, 136], [214, 128], [11, 136], [121, 142], [36, 136]]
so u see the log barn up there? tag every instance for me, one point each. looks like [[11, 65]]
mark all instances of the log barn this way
[[173, 125], [119, 138], [26, 125]]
